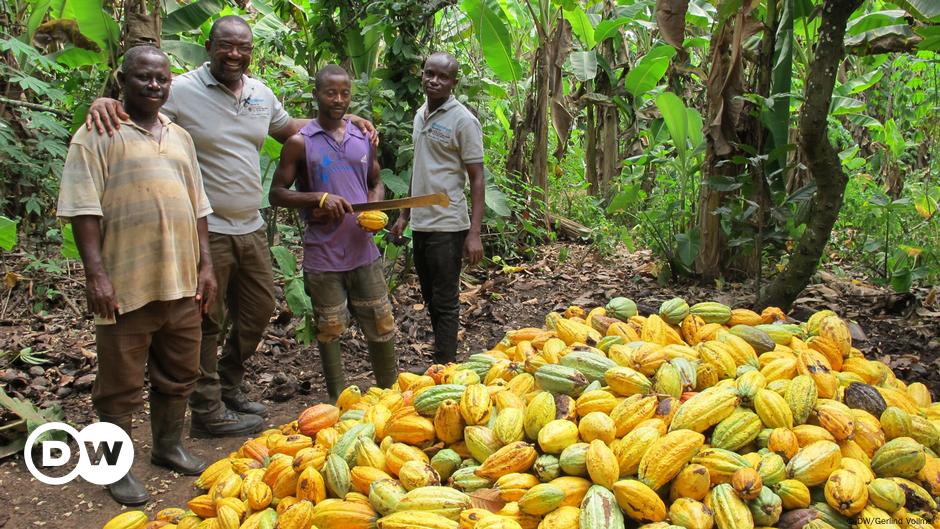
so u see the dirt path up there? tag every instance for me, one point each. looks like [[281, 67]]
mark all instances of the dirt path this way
[[286, 374]]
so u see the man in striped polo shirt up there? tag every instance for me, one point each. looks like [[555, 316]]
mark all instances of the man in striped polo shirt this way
[[138, 209]]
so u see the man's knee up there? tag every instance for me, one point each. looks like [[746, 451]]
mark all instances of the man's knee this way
[[331, 323]]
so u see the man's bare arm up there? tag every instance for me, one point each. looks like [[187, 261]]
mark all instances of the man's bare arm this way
[[473, 245], [98, 289], [376, 187]]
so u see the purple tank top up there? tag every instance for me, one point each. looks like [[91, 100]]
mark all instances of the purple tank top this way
[[338, 169]]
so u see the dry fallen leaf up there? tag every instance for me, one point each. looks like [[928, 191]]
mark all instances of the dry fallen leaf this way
[[487, 499]]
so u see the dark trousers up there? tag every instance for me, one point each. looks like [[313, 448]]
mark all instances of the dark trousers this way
[[242, 265], [161, 338], [438, 257]]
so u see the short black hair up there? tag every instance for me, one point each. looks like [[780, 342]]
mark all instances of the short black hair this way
[[454, 65], [227, 20], [134, 54], [326, 71]]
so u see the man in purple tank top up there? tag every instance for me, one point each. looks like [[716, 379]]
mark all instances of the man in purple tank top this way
[[334, 166]]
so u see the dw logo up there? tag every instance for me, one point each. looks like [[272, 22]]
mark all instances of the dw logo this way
[[106, 453]]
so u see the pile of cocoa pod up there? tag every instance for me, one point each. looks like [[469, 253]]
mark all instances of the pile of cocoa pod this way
[[695, 417]]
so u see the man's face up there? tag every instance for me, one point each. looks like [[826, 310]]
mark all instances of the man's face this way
[[147, 83], [229, 52], [334, 95], [438, 77]]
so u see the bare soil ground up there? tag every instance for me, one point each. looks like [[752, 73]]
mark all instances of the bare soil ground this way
[[899, 329]]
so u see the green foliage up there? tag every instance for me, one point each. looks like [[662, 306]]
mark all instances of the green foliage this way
[[7, 233], [297, 300]]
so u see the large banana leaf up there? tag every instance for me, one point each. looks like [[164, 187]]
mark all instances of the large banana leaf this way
[[191, 16], [931, 36], [494, 40], [584, 65], [676, 116], [581, 26], [781, 77], [93, 22], [649, 70], [189, 53], [923, 10]]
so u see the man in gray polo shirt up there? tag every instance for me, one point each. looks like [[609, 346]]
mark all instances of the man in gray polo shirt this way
[[448, 149], [228, 115]]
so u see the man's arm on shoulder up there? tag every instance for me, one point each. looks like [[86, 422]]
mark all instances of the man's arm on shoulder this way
[[295, 124]]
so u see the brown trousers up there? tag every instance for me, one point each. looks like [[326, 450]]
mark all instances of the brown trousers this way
[[242, 265], [161, 337]]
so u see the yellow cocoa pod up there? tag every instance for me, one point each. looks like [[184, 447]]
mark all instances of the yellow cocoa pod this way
[[692, 482], [595, 401], [373, 220], [690, 514], [631, 449], [512, 486], [747, 483], [564, 517], [846, 492], [475, 404], [597, 425], [813, 463], [638, 501], [515, 457], [793, 494], [667, 455], [558, 435], [602, 464], [128, 520]]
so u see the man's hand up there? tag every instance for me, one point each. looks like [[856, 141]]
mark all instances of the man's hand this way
[[397, 229], [106, 114], [100, 295], [206, 287], [365, 126], [336, 207], [473, 248]]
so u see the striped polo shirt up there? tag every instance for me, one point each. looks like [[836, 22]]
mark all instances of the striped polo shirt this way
[[148, 195]]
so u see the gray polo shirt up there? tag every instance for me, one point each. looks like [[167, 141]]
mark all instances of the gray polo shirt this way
[[228, 135], [445, 141]]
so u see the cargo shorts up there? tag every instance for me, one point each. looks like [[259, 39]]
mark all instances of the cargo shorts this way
[[361, 291]]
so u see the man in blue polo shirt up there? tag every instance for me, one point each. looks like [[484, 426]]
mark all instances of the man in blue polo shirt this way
[[342, 265]]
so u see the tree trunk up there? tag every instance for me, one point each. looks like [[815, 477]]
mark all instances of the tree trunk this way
[[602, 154], [142, 24], [725, 83], [530, 164], [821, 158]]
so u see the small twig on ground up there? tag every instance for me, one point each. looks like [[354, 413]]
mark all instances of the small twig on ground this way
[[5, 302], [71, 304]]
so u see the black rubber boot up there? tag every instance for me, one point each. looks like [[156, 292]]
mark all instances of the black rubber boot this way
[[384, 363], [167, 415], [127, 490], [225, 423], [331, 356], [238, 401]]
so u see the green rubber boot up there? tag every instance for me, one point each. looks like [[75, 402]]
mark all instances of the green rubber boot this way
[[331, 356], [384, 363]]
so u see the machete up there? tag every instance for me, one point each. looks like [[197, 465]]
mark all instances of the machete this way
[[437, 199]]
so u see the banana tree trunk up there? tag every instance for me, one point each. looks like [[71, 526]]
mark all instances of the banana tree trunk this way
[[821, 158]]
